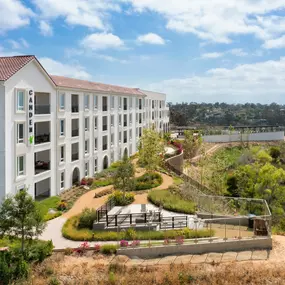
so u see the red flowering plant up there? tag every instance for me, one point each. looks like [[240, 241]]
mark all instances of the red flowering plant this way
[[166, 241], [62, 206], [83, 181], [97, 247], [82, 248], [179, 240], [135, 243], [124, 243]]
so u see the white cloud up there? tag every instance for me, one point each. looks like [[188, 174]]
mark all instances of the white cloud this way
[[24, 43], [275, 43], [4, 52], [13, 15], [92, 14], [70, 70], [46, 29], [18, 44], [101, 41], [151, 38], [212, 55], [218, 20], [111, 58], [261, 82], [238, 52]]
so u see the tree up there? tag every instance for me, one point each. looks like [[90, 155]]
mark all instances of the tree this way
[[124, 176], [21, 217], [191, 144], [151, 150]]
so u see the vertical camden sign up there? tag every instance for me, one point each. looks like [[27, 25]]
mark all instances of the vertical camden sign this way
[[31, 116]]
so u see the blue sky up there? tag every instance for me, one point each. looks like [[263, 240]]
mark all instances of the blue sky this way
[[194, 51]]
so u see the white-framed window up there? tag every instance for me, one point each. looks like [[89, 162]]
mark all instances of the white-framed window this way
[[86, 124], [125, 104], [95, 165], [104, 142], [112, 120], [95, 100], [20, 133], [62, 180], [62, 153], [95, 123], [86, 169], [62, 127], [20, 100], [61, 101], [112, 102], [86, 148], [105, 123], [95, 144], [86, 102], [20, 165]]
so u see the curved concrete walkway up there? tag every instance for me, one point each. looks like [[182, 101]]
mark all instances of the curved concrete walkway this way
[[53, 229]]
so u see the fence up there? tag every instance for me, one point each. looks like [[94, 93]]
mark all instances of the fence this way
[[104, 209]]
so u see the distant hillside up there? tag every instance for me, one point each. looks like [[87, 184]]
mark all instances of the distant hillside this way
[[222, 114]]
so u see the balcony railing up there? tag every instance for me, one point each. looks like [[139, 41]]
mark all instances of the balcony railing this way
[[75, 156], [42, 109], [42, 138], [41, 166], [74, 108], [75, 133]]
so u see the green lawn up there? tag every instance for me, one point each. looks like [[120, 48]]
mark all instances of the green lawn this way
[[49, 203], [171, 202]]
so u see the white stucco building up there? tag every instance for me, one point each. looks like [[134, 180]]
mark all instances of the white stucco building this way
[[55, 130]]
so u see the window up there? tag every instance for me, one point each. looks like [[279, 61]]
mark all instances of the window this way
[[62, 180], [86, 169], [125, 120], [86, 124], [125, 104], [20, 165], [105, 103], [112, 139], [131, 118], [62, 101], [62, 131], [160, 104], [152, 115], [95, 144], [120, 102], [62, 153], [140, 104], [86, 147], [120, 137], [131, 103], [20, 133], [160, 113], [105, 142], [112, 121], [86, 101], [120, 120], [140, 132], [95, 123], [95, 98], [105, 123], [112, 102], [140, 118], [137, 117], [95, 165], [20, 100], [125, 136], [152, 102]]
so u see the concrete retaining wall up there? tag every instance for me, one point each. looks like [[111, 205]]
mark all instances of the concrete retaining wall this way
[[176, 163], [271, 136], [230, 220], [200, 248]]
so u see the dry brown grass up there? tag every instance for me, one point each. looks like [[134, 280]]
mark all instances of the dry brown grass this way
[[96, 270]]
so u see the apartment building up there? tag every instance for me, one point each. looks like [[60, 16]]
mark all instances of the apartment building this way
[[55, 130]]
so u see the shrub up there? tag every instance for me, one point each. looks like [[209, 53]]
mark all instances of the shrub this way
[[148, 181], [179, 240], [124, 243], [122, 199], [135, 243], [131, 234], [90, 181], [83, 181], [62, 206], [103, 183], [97, 247], [38, 251], [87, 218], [53, 281], [275, 152], [108, 249], [82, 248], [68, 251]]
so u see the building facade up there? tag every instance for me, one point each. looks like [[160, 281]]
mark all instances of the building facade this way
[[56, 130]]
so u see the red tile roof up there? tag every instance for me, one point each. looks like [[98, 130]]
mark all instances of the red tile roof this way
[[62, 81], [10, 65]]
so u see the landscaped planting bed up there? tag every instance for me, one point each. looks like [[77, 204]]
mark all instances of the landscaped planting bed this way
[[170, 201], [148, 181], [70, 231], [49, 203]]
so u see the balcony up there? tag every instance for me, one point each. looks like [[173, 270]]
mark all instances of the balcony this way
[[74, 151], [42, 103], [42, 161], [74, 127], [74, 103], [42, 132]]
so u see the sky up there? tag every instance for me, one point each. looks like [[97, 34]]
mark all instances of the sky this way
[[193, 50]]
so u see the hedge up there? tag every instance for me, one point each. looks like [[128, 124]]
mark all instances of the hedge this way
[[148, 181], [171, 202], [71, 232]]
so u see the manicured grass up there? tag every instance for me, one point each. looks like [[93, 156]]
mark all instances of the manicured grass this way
[[177, 180], [102, 183], [49, 203], [171, 202], [70, 231]]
